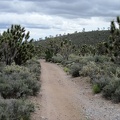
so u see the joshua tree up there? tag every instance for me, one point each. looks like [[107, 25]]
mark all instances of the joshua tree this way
[[52, 48], [14, 43], [66, 48], [25, 52], [101, 49], [113, 46]]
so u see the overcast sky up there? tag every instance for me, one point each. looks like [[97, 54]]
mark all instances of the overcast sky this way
[[50, 17]]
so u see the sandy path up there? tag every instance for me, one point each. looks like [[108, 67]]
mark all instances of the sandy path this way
[[65, 98], [58, 101]]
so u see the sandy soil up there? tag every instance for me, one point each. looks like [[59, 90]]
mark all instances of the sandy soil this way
[[65, 98]]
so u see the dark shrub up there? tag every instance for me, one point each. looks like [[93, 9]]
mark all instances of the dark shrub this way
[[89, 69], [57, 59], [96, 88], [111, 91], [15, 109], [116, 95], [66, 62], [74, 70], [101, 81], [48, 55], [17, 81], [101, 58], [34, 66]]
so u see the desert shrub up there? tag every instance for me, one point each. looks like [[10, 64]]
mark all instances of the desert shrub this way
[[67, 62], [97, 58], [109, 68], [17, 81], [96, 88], [66, 69], [15, 109], [100, 81], [85, 59], [34, 67], [101, 58], [14, 69], [32, 62], [116, 95], [2, 65], [117, 72], [112, 90], [90, 69], [48, 55], [108, 91], [74, 69], [103, 81], [57, 59], [69, 65], [74, 57]]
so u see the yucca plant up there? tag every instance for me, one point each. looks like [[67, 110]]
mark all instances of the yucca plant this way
[[113, 46], [15, 45]]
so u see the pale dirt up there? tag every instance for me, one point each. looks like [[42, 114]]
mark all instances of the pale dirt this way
[[65, 98]]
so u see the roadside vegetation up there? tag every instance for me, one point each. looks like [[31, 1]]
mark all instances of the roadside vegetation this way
[[98, 58], [19, 74], [93, 54]]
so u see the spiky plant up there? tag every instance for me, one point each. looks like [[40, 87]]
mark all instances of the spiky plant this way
[[14, 44], [113, 46], [66, 48]]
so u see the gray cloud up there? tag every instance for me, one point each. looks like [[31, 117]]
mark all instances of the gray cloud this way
[[18, 11], [37, 26], [64, 8]]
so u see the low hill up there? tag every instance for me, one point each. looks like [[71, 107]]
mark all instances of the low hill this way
[[91, 37]]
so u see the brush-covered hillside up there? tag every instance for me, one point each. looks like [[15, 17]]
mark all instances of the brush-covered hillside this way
[[90, 38]]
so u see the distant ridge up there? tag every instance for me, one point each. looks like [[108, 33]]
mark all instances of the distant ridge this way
[[80, 38]]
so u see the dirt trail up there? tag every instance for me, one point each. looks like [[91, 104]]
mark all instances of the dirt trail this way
[[65, 98]]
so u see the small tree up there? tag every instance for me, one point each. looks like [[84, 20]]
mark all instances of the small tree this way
[[14, 44], [53, 47], [25, 52], [39, 51], [48, 54], [66, 48], [113, 46], [101, 49]]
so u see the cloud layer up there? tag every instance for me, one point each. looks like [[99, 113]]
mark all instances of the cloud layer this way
[[50, 17]]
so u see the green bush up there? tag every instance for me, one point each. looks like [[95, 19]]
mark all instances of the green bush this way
[[108, 91], [48, 55], [101, 58], [66, 69], [2, 65], [74, 69], [74, 57], [85, 59], [96, 88], [116, 95], [67, 62], [117, 73], [90, 69], [15, 109], [97, 58], [14, 69], [57, 59], [17, 81], [101, 81], [34, 67], [112, 90], [110, 69]]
